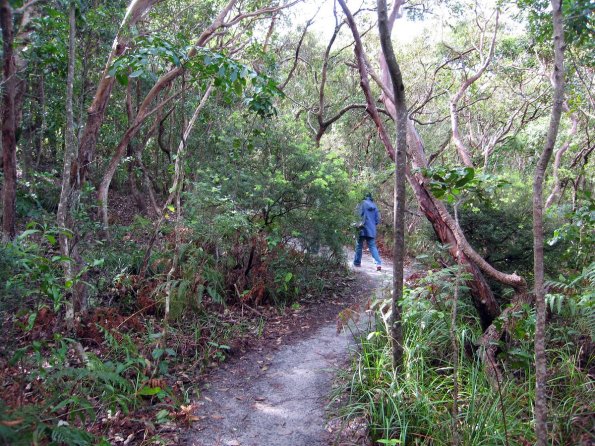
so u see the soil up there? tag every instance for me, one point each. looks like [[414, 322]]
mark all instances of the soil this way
[[277, 393]]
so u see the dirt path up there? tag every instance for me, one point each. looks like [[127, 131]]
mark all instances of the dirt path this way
[[277, 395]]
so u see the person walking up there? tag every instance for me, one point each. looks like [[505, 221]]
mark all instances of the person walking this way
[[370, 217]]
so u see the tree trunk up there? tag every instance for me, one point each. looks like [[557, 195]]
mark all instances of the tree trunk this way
[[481, 293], [9, 142], [444, 225], [96, 112], [538, 237], [399, 195], [178, 178], [131, 131], [43, 127], [557, 189], [65, 192], [148, 183], [455, 351], [130, 151]]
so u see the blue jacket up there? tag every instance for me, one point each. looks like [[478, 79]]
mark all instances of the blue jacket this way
[[370, 218]]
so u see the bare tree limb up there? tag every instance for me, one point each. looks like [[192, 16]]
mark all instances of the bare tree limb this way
[[464, 154], [297, 56]]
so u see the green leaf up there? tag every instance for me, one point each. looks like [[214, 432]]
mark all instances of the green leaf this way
[[136, 73], [31, 321], [51, 239], [149, 391], [122, 79], [158, 353], [18, 355], [27, 233], [170, 352]]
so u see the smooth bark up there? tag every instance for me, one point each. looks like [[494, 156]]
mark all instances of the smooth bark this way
[[96, 112], [132, 130], [538, 236], [463, 151], [399, 195], [69, 155]]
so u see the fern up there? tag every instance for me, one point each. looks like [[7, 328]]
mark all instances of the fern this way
[[575, 297], [64, 434]]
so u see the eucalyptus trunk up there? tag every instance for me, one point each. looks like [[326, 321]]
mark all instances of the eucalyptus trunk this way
[[399, 195], [96, 112], [66, 246], [538, 237]]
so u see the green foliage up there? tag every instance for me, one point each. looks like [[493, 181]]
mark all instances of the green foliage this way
[[448, 183], [229, 76], [36, 272], [578, 22], [140, 61], [278, 181], [577, 235], [574, 298], [498, 224], [73, 395], [413, 405], [38, 196]]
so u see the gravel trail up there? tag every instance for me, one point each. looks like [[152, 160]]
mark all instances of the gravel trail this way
[[277, 395]]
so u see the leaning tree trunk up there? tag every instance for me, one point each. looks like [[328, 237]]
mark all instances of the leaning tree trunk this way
[[142, 114], [96, 113], [538, 268], [444, 225], [9, 142], [399, 198], [160, 85], [446, 229], [176, 187], [481, 293]]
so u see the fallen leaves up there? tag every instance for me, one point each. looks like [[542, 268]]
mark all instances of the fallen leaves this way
[[186, 414], [11, 423]]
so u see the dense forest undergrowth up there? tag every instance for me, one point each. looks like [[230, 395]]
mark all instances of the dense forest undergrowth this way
[[179, 178], [415, 405]]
